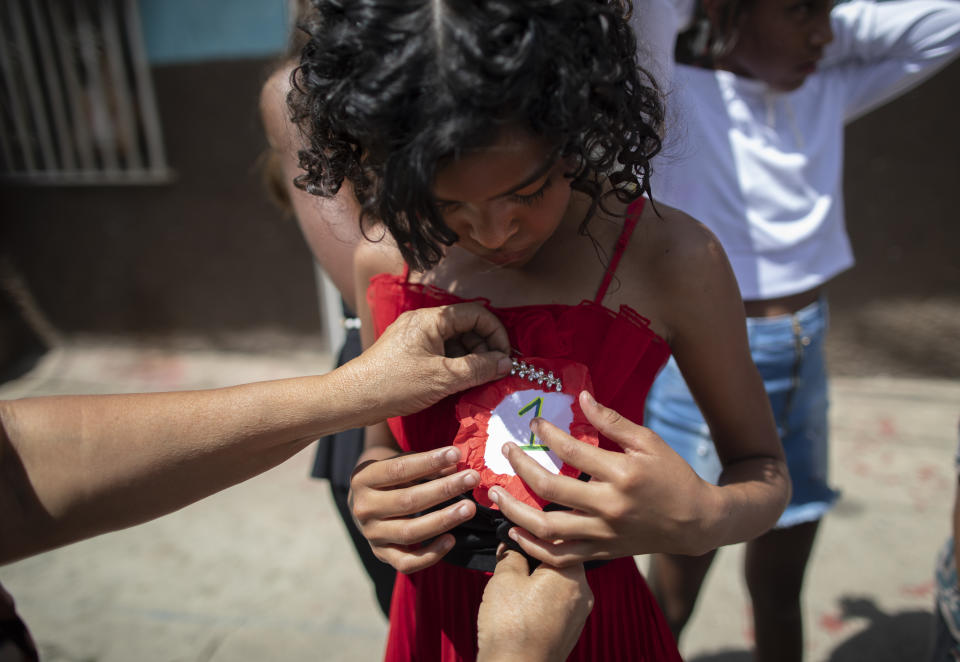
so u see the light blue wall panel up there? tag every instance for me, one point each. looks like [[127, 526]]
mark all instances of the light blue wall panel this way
[[195, 30]]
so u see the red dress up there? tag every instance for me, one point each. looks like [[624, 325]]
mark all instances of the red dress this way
[[433, 616]]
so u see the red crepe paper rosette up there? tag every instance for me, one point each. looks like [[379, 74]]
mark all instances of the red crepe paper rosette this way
[[501, 411]]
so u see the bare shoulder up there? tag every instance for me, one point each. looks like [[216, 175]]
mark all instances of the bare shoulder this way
[[665, 240], [274, 110], [670, 243], [376, 257], [676, 271]]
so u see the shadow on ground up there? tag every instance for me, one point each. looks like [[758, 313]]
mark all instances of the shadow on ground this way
[[888, 637]]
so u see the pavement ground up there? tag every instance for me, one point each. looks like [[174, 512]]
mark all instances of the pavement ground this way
[[264, 570]]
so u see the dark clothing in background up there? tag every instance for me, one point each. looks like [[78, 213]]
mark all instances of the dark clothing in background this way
[[335, 461]]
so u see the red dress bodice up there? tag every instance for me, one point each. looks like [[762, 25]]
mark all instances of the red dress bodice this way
[[620, 350]]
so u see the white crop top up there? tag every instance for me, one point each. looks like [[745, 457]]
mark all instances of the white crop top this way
[[764, 169]]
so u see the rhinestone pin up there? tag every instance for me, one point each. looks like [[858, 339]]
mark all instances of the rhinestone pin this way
[[524, 371]]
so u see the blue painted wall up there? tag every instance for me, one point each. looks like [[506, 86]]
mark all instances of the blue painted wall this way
[[178, 31]]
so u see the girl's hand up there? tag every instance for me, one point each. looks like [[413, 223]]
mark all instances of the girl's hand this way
[[646, 499], [387, 489]]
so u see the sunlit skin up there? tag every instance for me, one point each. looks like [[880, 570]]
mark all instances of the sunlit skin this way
[[504, 201], [779, 42]]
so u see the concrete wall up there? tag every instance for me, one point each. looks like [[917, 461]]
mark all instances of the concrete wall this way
[[208, 260], [898, 310]]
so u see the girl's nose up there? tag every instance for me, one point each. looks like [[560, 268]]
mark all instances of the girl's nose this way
[[493, 230]]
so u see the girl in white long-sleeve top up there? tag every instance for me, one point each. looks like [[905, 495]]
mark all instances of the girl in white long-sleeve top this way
[[763, 90]]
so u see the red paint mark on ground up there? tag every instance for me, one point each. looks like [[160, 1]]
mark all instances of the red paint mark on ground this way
[[887, 427], [918, 590], [832, 623], [159, 371], [861, 469], [926, 472]]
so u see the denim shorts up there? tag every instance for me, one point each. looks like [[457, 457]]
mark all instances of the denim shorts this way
[[946, 608], [789, 354]]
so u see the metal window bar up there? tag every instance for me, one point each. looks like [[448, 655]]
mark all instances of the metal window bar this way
[[76, 99]]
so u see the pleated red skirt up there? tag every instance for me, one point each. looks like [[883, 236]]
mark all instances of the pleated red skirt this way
[[433, 617]]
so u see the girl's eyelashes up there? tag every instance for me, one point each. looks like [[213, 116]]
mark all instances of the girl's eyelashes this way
[[534, 197], [448, 206]]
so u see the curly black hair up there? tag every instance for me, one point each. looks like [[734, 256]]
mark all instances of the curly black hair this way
[[387, 91]]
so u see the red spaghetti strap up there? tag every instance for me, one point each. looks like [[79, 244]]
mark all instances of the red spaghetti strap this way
[[629, 223]]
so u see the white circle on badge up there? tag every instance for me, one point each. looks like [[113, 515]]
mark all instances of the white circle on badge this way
[[510, 421]]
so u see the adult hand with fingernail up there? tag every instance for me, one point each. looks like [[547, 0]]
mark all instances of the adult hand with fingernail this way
[[645, 499], [387, 492]]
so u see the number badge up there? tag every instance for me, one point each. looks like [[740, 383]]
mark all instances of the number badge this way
[[494, 414]]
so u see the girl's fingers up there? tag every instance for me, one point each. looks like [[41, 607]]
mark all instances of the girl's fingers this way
[[407, 560], [552, 487], [374, 504], [613, 425], [590, 459], [409, 531], [407, 468], [553, 525]]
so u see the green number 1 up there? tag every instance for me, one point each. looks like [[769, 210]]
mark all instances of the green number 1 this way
[[537, 406]]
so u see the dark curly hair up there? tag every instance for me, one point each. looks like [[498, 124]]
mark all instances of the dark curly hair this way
[[387, 91]]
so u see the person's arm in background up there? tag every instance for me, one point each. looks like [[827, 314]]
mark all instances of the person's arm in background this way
[[331, 226], [72, 467], [882, 49], [531, 616]]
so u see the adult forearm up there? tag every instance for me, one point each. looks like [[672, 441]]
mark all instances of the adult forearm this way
[[76, 466]]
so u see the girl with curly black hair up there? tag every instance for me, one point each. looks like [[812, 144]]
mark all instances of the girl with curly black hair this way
[[499, 151]]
